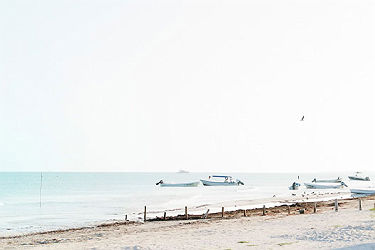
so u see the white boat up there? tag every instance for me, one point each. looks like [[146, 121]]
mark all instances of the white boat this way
[[325, 185], [359, 177], [363, 190], [188, 184], [338, 180], [221, 180]]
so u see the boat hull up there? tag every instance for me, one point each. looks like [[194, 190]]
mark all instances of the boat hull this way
[[328, 181], [219, 183], [322, 186], [363, 191], [190, 184], [356, 178]]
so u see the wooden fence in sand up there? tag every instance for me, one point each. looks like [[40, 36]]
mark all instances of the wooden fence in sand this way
[[295, 208]]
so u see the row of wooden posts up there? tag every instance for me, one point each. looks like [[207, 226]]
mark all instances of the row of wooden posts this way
[[244, 211]]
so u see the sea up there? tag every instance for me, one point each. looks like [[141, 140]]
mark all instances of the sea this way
[[34, 202]]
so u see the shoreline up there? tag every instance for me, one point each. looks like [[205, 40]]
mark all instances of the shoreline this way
[[232, 208], [289, 207], [277, 228]]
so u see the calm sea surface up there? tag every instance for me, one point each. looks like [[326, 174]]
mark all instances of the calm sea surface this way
[[79, 199]]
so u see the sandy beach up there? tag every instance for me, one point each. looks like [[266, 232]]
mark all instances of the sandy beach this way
[[327, 229]]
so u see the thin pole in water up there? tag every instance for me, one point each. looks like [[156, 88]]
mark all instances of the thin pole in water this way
[[40, 190]]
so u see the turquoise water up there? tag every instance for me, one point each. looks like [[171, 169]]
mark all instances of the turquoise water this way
[[79, 199]]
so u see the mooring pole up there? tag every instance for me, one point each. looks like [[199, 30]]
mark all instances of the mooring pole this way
[[314, 207], [40, 190], [336, 206], [144, 214]]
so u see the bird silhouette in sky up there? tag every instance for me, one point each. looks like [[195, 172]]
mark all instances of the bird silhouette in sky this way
[[303, 118]]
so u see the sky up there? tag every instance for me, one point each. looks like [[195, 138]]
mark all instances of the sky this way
[[211, 86]]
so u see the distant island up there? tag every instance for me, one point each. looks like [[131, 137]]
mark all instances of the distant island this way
[[182, 171]]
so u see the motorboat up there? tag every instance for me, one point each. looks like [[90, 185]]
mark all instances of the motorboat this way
[[221, 180], [359, 177], [295, 186], [325, 185], [338, 180], [188, 184], [367, 191]]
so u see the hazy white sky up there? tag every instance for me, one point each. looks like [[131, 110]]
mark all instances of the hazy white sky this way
[[199, 85]]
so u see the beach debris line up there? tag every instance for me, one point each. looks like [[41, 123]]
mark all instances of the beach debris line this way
[[289, 209]]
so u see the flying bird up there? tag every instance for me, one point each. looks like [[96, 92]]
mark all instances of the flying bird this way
[[303, 117]]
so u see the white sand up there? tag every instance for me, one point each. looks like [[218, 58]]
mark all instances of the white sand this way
[[326, 230]]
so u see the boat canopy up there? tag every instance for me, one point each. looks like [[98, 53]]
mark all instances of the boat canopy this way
[[222, 176]]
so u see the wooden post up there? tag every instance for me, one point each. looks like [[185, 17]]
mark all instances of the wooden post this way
[[360, 204], [165, 215], [264, 210], [244, 212], [222, 212], [186, 213], [288, 209], [144, 215], [206, 214], [336, 206], [126, 217], [314, 207]]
